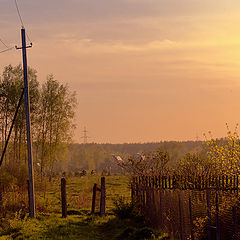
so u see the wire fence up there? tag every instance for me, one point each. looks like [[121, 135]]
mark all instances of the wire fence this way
[[208, 209]]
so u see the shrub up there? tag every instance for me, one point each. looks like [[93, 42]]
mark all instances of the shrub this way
[[123, 209]]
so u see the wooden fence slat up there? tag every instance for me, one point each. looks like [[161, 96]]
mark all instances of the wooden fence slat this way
[[190, 216], [223, 182], [237, 184], [180, 216]]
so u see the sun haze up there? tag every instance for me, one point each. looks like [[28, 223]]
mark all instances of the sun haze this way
[[143, 70]]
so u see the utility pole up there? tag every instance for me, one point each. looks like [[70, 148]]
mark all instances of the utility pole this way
[[28, 124]]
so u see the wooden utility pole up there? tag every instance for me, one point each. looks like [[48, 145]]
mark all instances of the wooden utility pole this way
[[28, 124]]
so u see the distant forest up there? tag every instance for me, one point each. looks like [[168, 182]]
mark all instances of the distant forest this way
[[99, 157]]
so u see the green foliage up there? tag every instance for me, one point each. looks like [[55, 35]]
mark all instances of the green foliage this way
[[52, 112], [11, 84], [193, 164], [124, 209], [8, 180], [79, 224], [224, 154], [55, 123], [218, 156], [82, 227]]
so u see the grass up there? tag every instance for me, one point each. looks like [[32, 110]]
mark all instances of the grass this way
[[83, 226], [79, 193], [80, 224]]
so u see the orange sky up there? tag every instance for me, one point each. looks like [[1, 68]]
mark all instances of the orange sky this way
[[143, 70]]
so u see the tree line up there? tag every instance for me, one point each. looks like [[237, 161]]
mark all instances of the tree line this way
[[99, 157], [52, 121]]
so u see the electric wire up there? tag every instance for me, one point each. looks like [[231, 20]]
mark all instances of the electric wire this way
[[21, 20], [3, 43], [28, 38], [19, 15], [7, 50]]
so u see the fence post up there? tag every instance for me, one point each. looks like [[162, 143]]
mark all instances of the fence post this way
[[64, 197], [94, 198], [180, 216], [103, 197]]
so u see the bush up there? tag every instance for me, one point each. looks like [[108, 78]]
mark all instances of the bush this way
[[123, 209]]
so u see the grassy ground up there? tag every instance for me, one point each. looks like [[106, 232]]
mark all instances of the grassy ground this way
[[81, 225], [79, 193]]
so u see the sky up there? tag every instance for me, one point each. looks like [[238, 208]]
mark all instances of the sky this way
[[143, 70]]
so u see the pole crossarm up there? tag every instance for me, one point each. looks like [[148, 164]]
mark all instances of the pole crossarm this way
[[29, 46], [11, 128]]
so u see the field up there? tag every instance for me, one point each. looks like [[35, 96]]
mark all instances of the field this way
[[79, 192], [80, 224]]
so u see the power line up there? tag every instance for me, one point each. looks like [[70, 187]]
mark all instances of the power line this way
[[28, 38], [19, 15], [7, 50], [3, 43], [20, 18]]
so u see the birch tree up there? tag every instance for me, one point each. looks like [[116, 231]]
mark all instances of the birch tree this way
[[56, 114]]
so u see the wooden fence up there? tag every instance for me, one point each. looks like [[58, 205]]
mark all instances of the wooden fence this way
[[179, 205], [223, 182]]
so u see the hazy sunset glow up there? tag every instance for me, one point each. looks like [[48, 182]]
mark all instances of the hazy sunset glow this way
[[143, 70]]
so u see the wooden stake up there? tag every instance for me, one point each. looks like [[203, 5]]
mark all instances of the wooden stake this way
[[94, 198], [64, 197], [103, 197]]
